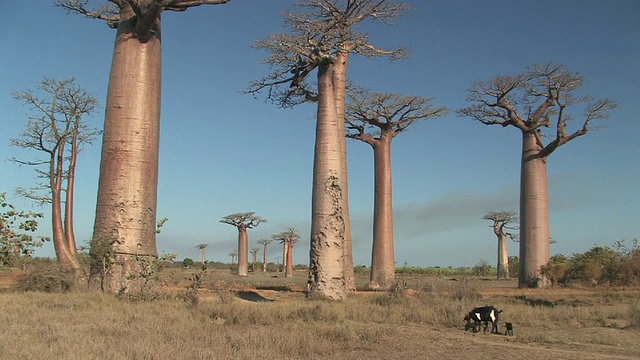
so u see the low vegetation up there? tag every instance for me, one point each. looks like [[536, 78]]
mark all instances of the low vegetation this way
[[213, 313]]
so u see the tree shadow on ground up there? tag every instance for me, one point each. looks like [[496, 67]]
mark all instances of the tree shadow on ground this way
[[252, 296]]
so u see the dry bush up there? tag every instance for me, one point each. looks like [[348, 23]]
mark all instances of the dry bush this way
[[634, 316], [48, 277]]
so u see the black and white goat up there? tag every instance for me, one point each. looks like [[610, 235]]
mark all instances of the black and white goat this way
[[486, 314]]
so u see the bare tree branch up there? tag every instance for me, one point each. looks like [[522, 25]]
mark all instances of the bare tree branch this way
[[535, 99], [323, 29], [369, 115], [108, 13]]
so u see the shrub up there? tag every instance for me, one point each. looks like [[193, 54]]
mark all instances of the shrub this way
[[556, 269], [634, 316], [16, 228], [47, 277], [482, 268], [187, 262], [514, 266]]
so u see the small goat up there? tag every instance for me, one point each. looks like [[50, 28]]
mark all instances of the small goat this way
[[509, 327]]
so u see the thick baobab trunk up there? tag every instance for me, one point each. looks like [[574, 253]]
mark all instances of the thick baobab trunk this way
[[382, 258], [503, 257], [288, 272], [534, 214], [127, 190], [340, 94], [243, 252], [326, 268]]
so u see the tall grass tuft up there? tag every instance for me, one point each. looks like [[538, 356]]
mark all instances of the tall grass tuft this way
[[634, 316]]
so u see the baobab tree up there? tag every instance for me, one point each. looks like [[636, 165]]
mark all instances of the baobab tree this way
[[128, 184], [501, 221], [233, 255], [243, 221], [322, 38], [287, 239], [202, 247], [57, 128], [254, 256], [376, 119], [264, 243], [533, 101]]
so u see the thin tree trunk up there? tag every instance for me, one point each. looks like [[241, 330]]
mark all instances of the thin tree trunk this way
[[59, 241], [382, 258], [534, 214], [68, 207], [264, 259], [503, 257], [326, 268], [127, 189], [243, 252], [340, 94]]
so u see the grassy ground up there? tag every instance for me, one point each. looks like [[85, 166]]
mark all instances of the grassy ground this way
[[261, 316]]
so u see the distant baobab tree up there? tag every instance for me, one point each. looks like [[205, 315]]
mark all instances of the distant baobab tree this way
[[254, 253], [376, 119], [533, 101], [501, 221], [128, 184], [287, 239], [264, 243], [323, 35], [243, 221], [233, 255], [202, 247]]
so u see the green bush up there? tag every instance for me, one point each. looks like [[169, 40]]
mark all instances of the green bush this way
[[514, 266], [618, 266], [187, 262]]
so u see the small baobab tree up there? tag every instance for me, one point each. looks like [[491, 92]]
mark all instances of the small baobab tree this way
[[233, 255], [128, 184], [202, 247], [376, 119], [243, 221], [541, 97], [322, 38], [501, 221], [57, 128], [264, 243], [254, 257], [287, 239]]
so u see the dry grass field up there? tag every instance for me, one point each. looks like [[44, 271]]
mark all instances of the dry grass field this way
[[264, 317]]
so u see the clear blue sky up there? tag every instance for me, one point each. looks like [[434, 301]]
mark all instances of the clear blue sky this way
[[224, 152]]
